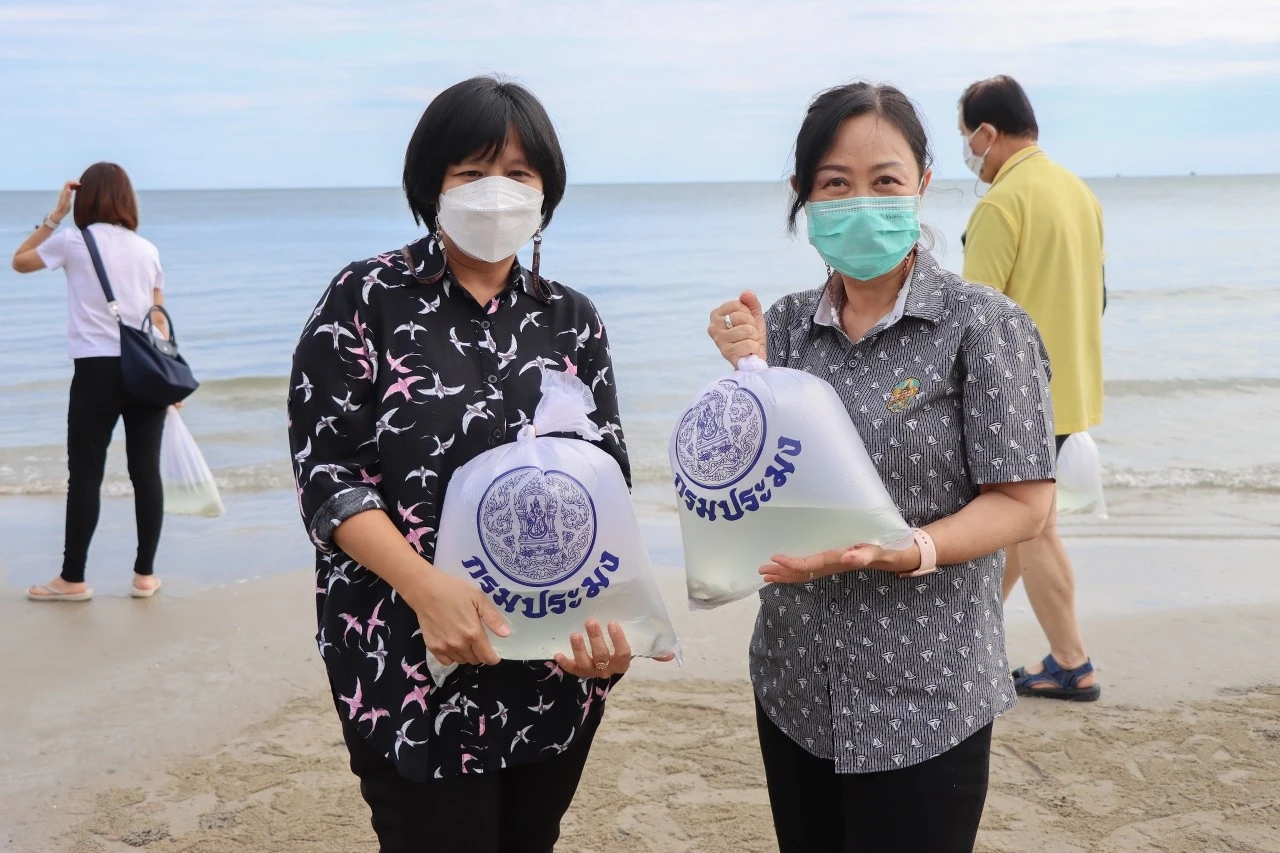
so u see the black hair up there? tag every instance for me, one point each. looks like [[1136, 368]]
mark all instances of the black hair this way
[[1001, 103], [829, 110], [476, 116]]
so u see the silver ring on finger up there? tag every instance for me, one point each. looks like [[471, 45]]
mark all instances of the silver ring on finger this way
[[728, 321]]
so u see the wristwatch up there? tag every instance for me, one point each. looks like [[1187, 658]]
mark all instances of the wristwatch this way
[[928, 555], [49, 223]]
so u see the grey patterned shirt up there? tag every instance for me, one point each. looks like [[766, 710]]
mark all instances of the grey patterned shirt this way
[[950, 391]]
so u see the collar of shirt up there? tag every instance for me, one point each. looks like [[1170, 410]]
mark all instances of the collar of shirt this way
[[925, 280], [428, 264], [1016, 160]]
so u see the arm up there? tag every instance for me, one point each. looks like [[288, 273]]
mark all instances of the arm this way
[[26, 258], [991, 247], [336, 469]]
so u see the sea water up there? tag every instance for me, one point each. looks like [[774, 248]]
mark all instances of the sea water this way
[[722, 561], [634, 605]]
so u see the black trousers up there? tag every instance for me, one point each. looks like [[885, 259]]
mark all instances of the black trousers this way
[[516, 810], [98, 401], [931, 807]]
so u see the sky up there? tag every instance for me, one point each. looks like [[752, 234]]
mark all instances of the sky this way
[[313, 93]]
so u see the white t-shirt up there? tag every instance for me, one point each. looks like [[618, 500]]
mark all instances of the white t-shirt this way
[[133, 268]]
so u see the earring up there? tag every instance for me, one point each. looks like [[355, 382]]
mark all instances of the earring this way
[[537, 263]]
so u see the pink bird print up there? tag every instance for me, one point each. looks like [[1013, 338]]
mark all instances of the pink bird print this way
[[493, 305], [369, 479], [415, 535], [482, 725], [599, 328], [402, 737], [418, 694], [412, 671], [395, 363], [402, 386], [374, 622], [407, 513], [353, 703], [556, 671], [362, 331], [367, 371], [569, 367], [352, 622], [373, 714], [385, 258], [586, 706], [466, 756]]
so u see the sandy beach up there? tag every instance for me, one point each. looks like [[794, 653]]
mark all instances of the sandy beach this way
[[201, 722]]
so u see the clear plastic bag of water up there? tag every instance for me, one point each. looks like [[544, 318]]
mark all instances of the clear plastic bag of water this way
[[767, 461], [1080, 477], [189, 487], [546, 528]]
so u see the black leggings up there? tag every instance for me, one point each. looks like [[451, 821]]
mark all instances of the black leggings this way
[[933, 806], [98, 400], [515, 810]]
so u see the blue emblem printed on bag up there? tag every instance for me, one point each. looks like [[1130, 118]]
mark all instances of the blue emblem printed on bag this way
[[537, 527], [721, 438]]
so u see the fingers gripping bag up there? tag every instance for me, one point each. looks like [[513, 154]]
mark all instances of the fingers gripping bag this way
[[766, 461], [189, 487], [545, 526], [1080, 477]]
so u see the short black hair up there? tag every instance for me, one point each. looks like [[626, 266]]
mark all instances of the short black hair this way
[[829, 110], [1000, 102], [476, 116]]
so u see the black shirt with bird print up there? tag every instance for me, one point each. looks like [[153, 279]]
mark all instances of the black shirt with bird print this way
[[401, 377]]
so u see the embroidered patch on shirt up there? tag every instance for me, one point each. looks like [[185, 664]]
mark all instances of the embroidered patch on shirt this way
[[902, 395]]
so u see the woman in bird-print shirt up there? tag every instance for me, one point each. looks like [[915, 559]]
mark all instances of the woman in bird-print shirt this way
[[414, 362]]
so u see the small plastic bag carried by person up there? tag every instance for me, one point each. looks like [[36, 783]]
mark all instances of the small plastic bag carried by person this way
[[189, 487], [766, 461], [546, 528], [1080, 477]]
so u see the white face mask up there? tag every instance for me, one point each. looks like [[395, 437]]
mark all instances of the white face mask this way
[[490, 219], [975, 162]]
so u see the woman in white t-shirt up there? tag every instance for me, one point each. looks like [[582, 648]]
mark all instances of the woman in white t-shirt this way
[[105, 201]]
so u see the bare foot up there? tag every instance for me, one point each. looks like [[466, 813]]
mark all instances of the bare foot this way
[[59, 586]]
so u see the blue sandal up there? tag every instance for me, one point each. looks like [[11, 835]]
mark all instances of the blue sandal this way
[[1065, 682]]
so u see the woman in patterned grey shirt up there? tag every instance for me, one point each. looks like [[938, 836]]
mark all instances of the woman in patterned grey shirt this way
[[878, 673]]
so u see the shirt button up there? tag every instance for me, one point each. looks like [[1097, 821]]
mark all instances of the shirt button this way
[[484, 324], [497, 433], [491, 379]]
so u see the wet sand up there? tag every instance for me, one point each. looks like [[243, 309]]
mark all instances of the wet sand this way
[[201, 722]]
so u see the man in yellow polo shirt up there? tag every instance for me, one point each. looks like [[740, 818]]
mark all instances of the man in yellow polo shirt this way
[[1037, 236]]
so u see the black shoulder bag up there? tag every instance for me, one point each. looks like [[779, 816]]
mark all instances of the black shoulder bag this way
[[153, 370]]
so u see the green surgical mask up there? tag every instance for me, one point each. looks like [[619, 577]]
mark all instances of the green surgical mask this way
[[864, 237]]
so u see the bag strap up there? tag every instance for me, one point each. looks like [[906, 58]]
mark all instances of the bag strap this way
[[148, 324], [92, 245]]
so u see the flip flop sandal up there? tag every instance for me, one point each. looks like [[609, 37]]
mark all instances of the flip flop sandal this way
[[1065, 682], [51, 595], [145, 593]]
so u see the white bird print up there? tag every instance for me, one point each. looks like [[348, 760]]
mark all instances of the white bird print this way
[[322, 643], [334, 329], [326, 422], [488, 343], [439, 389], [500, 714], [495, 393], [611, 429], [402, 737], [531, 318], [522, 736], [560, 747], [450, 707], [453, 339], [369, 281], [330, 469], [581, 337], [540, 363], [412, 328], [602, 376], [505, 358], [422, 473], [301, 455], [380, 655], [305, 387], [345, 404], [384, 425], [442, 446], [429, 307], [541, 707], [474, 410], [521, 421]]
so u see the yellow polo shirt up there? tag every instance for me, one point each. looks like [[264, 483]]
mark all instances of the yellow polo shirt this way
[[1036, 236]]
